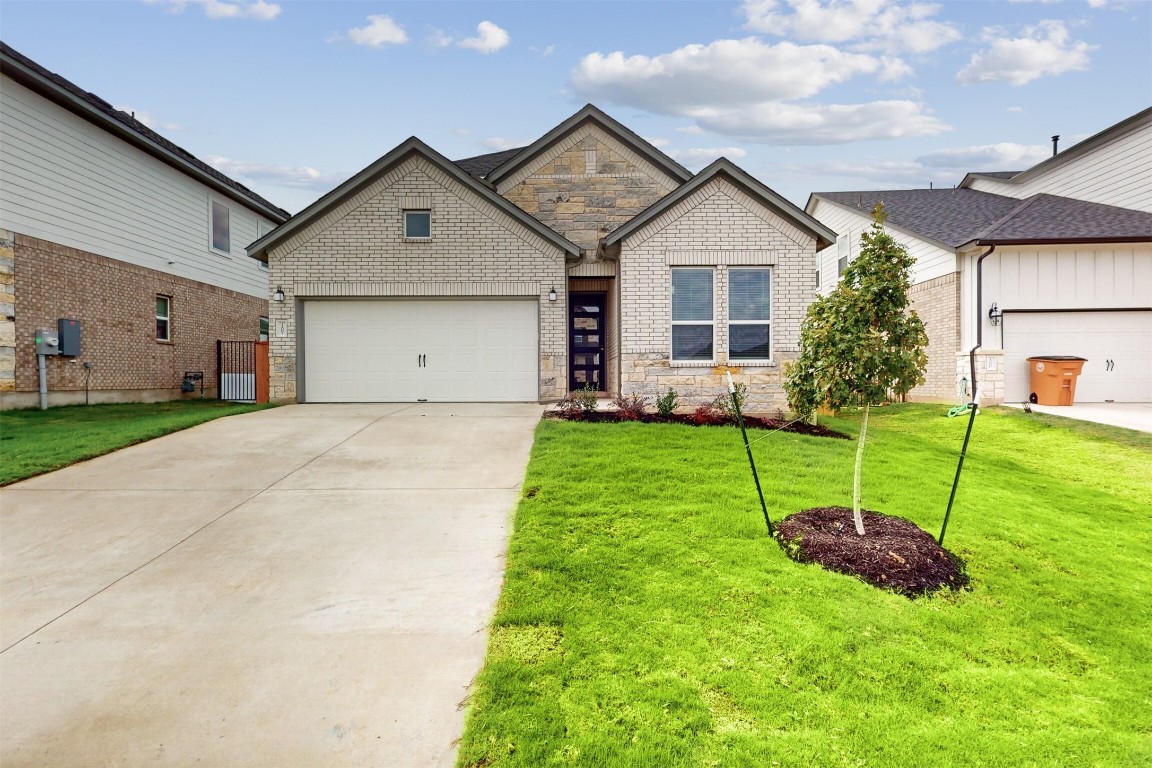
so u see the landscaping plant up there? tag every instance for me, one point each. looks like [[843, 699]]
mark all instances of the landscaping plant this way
[[862, 343], [666, 403], [630, 407]]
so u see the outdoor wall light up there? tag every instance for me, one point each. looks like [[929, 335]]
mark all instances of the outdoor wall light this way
[[994, 314], [278, 294], [552, 294]]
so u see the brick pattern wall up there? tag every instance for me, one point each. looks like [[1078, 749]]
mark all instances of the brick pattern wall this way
[[359, 249], [7, 311], [718, 226], [586, 186], [116, 305], [937, 302]]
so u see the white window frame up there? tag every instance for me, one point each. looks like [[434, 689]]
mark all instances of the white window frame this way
[[422, 211], [212, 203], [264, 329], [673, 323], [768, 322], [843, 253], [167, 318]]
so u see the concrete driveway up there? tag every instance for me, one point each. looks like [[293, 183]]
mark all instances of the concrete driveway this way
[[305, 586], [1136, 416]]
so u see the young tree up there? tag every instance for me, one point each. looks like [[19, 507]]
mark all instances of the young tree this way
[[861, 344]]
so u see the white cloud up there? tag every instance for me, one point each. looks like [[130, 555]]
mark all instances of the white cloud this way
[[1042, 50], [149, 120], [725, 72], [544, 52], [691, 130], [500, 143], [223, 9], [875, 25], [380, 30], [822, 124], [489, 38], [702, 156], [1015, 109], [297, 177], [437, 39], [659, 143], [1005, 156]]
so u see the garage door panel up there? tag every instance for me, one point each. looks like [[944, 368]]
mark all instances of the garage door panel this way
[[371, 351], [1122, 337]]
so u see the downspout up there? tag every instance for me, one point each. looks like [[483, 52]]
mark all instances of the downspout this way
[[972, 406]]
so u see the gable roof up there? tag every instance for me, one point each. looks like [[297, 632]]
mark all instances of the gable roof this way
[[591, 114], [1092, 142], [955, 218], [124, 126], [410, 147], [482, 165], [756, 189]]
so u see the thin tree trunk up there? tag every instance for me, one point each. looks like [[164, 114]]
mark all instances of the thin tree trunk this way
[[857, 517]]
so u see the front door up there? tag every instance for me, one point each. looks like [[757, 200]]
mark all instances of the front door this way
[[586, 330]]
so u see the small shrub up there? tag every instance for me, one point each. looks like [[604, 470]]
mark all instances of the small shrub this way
[[630, 407], [724, 404], [709, 415], [570, 409], [666, 403], [585, 397]]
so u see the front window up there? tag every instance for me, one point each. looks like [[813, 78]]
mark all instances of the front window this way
[[221, 227], [749, 314], [692, 314], [163, 318], [417, 225], [263, 329]]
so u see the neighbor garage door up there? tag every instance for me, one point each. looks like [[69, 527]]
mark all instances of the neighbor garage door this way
[[420, 350], [1117, 345]]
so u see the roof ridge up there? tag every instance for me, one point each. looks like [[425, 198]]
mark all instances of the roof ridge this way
[[1024, 205]]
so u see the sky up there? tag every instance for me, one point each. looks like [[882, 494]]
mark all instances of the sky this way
[[290, 97]]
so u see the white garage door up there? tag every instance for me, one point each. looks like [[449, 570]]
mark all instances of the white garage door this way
[[1117, 345], [421, 350]]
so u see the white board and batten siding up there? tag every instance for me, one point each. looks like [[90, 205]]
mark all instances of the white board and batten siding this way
[[67, 181], [1114, 173], [931, 261]]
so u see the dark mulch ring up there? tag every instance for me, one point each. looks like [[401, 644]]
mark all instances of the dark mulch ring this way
[[751, 422], [893, 553]]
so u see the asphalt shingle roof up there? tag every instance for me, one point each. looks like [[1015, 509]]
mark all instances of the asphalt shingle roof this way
[[1049, 217], [482, 165], [134, 125]]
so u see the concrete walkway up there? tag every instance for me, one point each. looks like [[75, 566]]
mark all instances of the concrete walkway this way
[[1136, 416], [306, 586]]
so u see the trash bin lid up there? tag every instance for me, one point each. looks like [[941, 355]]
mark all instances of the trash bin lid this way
[[1058, 358]]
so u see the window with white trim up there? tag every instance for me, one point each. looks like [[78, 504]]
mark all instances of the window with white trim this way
[[843, 250], [692, 318], [417, 225], [221, 224], [750, 314], [163, 318]]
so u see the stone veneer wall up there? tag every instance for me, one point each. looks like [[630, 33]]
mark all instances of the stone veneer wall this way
[[937, 302], [718, 226], [358, 250], [116, 305], [586, 186], [7, 311], [989, 375]]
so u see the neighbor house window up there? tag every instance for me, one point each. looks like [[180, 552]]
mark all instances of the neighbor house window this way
[[842, 250], [692, 314], [417, 225], [221, 227], [163, 318], [263, 329], [749, 314]]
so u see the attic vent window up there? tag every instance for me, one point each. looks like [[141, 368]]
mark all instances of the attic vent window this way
[[417, 225]]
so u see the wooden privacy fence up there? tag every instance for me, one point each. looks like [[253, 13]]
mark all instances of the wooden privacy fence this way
[[242, 371]]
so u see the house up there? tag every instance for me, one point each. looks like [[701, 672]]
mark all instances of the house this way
[[588, 258], [106, 224], [1068, 269]]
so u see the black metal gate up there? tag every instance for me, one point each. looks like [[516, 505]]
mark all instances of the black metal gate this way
[[236, 370]]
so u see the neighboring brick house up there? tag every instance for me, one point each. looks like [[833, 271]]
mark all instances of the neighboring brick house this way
[[588, 257], [1069, 271], [104, 221]]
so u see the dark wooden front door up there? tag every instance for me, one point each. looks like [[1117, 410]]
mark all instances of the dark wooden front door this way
[[586, 328]]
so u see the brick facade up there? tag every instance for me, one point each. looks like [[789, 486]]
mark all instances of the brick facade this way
[[7, 311], [116, 305], [937, 302], [358, 250], [718, 226]]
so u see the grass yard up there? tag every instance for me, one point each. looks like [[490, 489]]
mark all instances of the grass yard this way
[[33, 442], [647, 619]]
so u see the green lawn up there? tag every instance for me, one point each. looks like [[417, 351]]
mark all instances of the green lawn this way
[[33, 442], [648, 620]]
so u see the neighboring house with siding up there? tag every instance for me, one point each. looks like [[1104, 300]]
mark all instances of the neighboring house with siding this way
[[104, 221], [586, 258], [1070, 271]]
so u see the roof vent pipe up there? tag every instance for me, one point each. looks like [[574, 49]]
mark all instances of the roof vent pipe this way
[[1055, 141]]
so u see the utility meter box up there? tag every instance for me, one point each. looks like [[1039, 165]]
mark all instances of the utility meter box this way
[[47, 342], [68, 332]]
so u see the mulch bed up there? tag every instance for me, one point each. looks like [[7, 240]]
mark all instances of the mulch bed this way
[[750, 422], [893, 553]]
